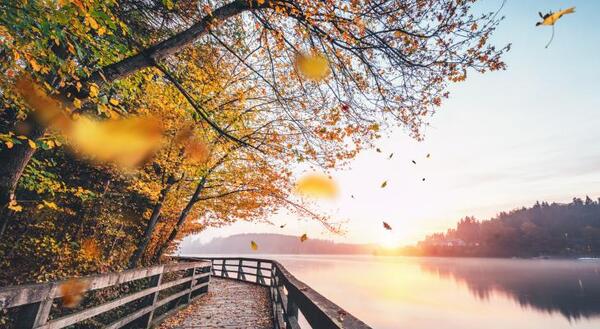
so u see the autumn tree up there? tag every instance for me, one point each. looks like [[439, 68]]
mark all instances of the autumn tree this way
[[390, 60]]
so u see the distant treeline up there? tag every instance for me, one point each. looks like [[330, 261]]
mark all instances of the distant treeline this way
[[554, 229]]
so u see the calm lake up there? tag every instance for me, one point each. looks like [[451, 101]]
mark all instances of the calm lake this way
[[456, 293]]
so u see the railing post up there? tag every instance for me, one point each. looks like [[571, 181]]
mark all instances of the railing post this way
[[191, 287], [224, 269], [153, 298], [239, 271], [258, 272], [36, 314]]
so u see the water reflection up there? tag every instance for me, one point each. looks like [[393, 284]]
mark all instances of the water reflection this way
[[569, 287], [455, 293]]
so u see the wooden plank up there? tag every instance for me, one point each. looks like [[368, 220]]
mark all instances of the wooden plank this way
[[129, 318], [165, 300], [174, 283], [91, 312]]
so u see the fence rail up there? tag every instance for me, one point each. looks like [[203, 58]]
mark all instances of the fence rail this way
[[35, 302], [288, 294]]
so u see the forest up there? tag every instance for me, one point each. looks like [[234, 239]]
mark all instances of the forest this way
[[545, 229], [127, 125]]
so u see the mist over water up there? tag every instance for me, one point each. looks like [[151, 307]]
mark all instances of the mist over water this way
[[413, 292]]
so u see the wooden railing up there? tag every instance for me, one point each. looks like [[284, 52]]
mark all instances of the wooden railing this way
[[178, 282], [288, 294]]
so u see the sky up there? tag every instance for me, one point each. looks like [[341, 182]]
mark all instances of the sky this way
[[502, 141]]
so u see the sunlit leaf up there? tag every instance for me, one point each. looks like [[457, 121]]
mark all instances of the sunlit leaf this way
[[387, 226], [316, 185], [384, 184], [14, 206], [313, 67], [253, 245], [72, 292]]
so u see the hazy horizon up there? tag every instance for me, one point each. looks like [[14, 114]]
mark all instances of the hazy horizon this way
[[502, 141]]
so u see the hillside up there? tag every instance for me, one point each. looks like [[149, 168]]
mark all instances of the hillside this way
[[273, 244]]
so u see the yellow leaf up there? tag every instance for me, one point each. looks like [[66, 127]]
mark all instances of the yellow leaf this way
[[77, 103], [303, 238], [89, 20], [384, 184], [124, 142], [34, 65], [32, 144], [114, 102], [316, 185], [253, 245], [314, 67], [72, 292], [9, 144], [12, 205], [93, 90], [50, 205]]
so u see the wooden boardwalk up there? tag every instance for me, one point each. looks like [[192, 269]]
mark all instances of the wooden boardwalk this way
[[229, 304]]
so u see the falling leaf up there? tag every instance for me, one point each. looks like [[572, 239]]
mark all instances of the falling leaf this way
[[47, 110], [378, 150], [72, 292], [352, 196], [387, 226], [316, 185], [391, 155], [304, 237], [414, 162], [282, 226], [125, 142], [196, 151], [423, 179], [90, 249], [552, 17], [384, 184], [253, 245], [314, 67], [428, 155]]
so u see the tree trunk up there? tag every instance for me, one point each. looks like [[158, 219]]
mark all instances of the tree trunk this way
[[13, 162], [182, 217], [137, 255]]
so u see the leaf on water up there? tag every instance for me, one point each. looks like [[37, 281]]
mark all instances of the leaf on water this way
[[253, 245], [384, 184], [72, 292], [387, 226], [314, 66], [304, 237], [316, 185]]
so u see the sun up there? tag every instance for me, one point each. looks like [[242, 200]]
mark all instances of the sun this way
[[389, 241]]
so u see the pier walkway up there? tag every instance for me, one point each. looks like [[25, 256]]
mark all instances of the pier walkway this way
[[190, 292], [222, 307]]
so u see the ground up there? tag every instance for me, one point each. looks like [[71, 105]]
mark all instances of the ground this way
[[229, 304]]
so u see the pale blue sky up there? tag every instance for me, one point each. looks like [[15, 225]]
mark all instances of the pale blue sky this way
[[502, 140]]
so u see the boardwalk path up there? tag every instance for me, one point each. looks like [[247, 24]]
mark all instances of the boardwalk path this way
[[229, 304]]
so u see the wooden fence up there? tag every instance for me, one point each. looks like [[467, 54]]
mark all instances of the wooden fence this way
[[289, 296], [165, 287]]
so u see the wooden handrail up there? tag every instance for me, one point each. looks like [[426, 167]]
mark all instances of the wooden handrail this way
[[34, 302], [288, 294]]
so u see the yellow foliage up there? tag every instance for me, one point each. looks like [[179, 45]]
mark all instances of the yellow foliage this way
[[253, 245], [14, 206]]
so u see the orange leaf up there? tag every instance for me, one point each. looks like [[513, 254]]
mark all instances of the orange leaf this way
[[72, 292]]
